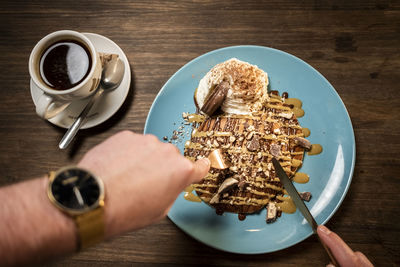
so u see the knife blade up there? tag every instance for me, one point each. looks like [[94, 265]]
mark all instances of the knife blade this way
[[294, 194], [292, 191]]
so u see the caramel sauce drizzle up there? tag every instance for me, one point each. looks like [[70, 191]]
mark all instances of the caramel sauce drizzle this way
[[306, 132], [191, 197], [279, 107], [294, 101], [301, 178], [196, 186], [188, 189], [245, 201], [315, 149], [195, 118], [189, 194], [287, 205], [297, 110], [296, 163]]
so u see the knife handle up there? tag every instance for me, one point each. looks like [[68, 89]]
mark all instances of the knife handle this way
[[329, 252]]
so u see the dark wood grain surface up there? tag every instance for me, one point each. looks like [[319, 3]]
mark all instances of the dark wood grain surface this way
[[354, 44]]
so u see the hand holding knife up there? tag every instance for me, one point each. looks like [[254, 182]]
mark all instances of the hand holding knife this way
[[299, 203]]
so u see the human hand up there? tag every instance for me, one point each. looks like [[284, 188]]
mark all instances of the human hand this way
[[343, 254], [142, 178]]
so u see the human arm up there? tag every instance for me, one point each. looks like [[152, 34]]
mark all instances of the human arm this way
[[31, 228], [343, 254], [142, 178]]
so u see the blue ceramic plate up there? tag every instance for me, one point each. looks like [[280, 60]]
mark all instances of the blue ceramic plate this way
[[330, 172]]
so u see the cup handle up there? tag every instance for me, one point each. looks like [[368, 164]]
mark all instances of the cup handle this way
[[47, 107]]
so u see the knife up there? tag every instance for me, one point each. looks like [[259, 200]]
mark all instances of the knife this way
[[291, 190]]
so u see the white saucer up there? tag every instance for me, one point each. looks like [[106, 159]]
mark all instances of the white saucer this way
[[107, 105]]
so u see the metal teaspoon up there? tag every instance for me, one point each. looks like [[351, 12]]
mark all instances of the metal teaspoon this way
[[111, 78]]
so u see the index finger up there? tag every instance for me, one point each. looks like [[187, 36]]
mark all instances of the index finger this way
[[342, 252], [200, 169]]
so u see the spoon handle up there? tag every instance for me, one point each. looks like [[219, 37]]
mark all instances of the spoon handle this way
[[74, 128]]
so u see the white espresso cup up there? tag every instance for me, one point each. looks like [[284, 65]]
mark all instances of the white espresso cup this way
[[53, 101]]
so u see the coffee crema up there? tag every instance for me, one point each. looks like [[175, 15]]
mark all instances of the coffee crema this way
[[65, 64]]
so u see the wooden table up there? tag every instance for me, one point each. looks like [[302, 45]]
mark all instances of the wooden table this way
[[355, 46]]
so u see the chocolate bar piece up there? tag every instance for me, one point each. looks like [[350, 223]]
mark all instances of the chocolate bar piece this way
[[271, 212], [303, 142], [216, 98], [306, 196]]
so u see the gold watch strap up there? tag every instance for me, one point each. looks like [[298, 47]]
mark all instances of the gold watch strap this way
[[90, 228]]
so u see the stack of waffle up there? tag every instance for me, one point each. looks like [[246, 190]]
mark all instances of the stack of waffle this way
[[249, 143]]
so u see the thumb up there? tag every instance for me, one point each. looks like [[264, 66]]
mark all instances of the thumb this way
[[201, 168]]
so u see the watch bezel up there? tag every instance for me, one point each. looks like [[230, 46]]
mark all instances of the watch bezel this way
[[99, 202]]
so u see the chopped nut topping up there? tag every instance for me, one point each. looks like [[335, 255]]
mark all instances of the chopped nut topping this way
[[249, 135], [226, 146], [210, 133], [277, 131], [269, 166], [216, 144], [208, 143], [232, 139], [250, 128]]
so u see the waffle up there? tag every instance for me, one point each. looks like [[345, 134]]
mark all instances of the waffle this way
[[249, 143]]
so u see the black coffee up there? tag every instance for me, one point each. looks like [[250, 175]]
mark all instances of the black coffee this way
[[65, 64]]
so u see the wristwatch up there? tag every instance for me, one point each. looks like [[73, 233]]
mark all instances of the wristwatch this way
[[79, 194]]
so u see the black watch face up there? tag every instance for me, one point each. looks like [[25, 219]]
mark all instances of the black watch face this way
[[75, 189]]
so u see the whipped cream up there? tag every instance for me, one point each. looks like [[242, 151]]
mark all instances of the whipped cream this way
[[247, 86]]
